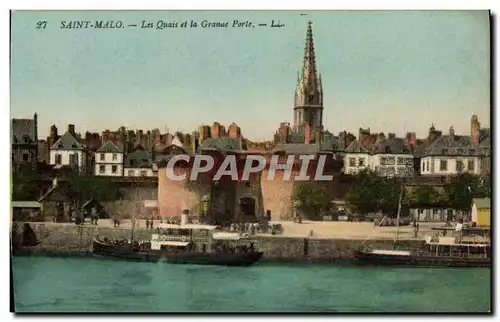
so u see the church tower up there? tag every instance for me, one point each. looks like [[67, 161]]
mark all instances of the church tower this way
[[308, 110]]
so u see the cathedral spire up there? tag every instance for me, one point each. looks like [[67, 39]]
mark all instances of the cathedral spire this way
[[309, 74], [309, 94]]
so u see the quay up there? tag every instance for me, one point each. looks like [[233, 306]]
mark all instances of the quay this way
[[330, 241]]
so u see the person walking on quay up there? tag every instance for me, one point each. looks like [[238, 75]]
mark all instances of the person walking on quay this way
[[116, 222], [147, 223], [151, 224]]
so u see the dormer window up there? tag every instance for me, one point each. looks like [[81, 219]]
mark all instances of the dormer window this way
[[460, 151], [26, 139], [444, 151], [60, 145]]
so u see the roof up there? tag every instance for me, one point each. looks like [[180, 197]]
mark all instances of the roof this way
[[297, 148], [356, 147], [392, 146], [482, 203], [25, 204], [67, 142], [460, 145], [23, 130], [109, 147], [139, 158], [221, 144], [419, 151]]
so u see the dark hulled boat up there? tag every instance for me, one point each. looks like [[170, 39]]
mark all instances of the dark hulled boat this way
[[444, 255], [178, 246]]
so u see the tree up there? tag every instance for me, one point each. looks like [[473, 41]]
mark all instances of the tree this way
[[372, 193], [24, 184], [311, 199], [424, 196], [461, 189]]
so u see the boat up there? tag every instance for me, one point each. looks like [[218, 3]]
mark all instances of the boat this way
[[445, 251], [438, 251], [184, 244]]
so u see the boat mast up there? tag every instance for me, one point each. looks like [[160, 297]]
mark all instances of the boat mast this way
[[133, 213], [399, 213]]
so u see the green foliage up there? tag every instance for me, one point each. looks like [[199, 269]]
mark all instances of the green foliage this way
[[424, 196], [373, 193], [463, 187], [84, 187], [311, 199], [24, 184]]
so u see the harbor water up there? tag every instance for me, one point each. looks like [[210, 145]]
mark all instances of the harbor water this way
[[45, 284]]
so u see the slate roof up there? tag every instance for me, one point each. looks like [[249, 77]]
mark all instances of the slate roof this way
[[330, 143], [23, 128], [392, 146], [482, 203], [221, 144], [460, 145], [419, 151], [139, 158], [356, 147], [296, 148], [109, 147], [486, 143], [66, 142]]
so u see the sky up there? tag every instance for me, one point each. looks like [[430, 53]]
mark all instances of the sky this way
[[390, 71]]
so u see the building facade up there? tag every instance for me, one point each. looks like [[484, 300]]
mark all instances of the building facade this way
[[24, 141], [108, 160], [138, 163], [67, 151]]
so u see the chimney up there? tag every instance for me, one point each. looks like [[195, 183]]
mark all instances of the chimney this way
[[71, 129], [364, 138], [391, 136], [412, 140], [307, 133], [452, 135]]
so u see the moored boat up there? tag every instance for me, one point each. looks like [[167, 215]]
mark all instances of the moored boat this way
[[184, 244], [445, 252]]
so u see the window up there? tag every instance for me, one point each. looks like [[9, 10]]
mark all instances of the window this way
[[26, 157], [115, 157], [434, 211], [103, 157], [470, 165], [423, 166], [102, 169], [58, 159], [26, 139], [143, 173], [391, 160], [352, 162], [427, 166], [361, 162], [443, 165], [132, 162], [444, 151], [401, 160], [383, 160], [114, 169], [460, 166], [130, 173], [460, 151]]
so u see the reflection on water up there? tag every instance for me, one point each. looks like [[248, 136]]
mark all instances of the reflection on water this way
[[44, 284]]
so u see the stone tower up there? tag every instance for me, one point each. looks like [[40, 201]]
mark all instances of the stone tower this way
[[309, 93]]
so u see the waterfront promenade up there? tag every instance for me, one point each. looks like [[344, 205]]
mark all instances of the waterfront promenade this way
[[320, 229]]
